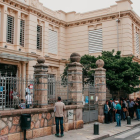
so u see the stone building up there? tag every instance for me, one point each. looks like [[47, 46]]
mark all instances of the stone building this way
[[28, 30]]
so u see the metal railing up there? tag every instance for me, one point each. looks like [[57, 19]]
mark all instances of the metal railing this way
[[20, 92]]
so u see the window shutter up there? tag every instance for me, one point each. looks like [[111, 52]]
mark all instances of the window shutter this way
[[39, 37], [137, 43], [22, 27], [95, 41], [52, 42], [10, 29]]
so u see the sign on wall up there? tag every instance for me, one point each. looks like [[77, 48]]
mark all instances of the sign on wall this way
[[31, 86], [70, 115]]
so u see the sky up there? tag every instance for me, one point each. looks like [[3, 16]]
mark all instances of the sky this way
[[81, 6]]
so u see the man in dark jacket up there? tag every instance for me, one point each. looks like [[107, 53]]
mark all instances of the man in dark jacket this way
[[111, 110]]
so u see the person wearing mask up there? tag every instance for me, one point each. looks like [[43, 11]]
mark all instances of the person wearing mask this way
[[118, 113], [106, 112], [59, 114], [110, 110], [131, 108]]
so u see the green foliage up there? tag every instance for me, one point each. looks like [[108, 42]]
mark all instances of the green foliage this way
[[122, 73]]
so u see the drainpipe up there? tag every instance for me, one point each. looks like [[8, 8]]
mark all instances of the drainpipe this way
[[118, 20]]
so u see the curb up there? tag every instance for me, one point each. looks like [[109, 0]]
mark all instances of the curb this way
[[107, 135], [102, 137]]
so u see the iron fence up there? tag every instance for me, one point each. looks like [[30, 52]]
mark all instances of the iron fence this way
[[20, 92]]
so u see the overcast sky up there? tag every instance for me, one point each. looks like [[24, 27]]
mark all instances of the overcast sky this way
[[84, 5]]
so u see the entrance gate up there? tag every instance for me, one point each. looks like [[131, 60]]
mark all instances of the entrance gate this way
[[90, 110]]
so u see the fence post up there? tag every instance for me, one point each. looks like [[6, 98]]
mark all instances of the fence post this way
[[40, 85], [100, 83], [75, 79]]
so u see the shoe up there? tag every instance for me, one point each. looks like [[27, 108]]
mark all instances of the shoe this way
[[62, 135], [57, 135], [117, 126]]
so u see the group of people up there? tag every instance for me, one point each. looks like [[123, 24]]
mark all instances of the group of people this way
[[14, 99], [117, 110]]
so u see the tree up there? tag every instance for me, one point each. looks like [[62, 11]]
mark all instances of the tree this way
[[122, 73]]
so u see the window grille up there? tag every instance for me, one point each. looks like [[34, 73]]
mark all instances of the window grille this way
[[10, 29], [53, 41], [137, 43], [95, 41], [39, 37], [22, 27]]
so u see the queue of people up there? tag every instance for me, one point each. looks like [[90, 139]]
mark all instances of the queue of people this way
[[117, 110]]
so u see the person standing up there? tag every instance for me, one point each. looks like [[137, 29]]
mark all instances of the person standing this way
[[118, 113], [106, 112], [114, 107], [138, 109], [28, 90], [123, 112], [59, 112], [110, 110], [28, 100], [131, 108]]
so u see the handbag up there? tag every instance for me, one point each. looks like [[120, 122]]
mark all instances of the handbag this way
[[124, 109]]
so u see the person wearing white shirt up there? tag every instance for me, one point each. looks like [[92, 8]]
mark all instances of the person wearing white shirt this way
[[28, 100], [28, 90]]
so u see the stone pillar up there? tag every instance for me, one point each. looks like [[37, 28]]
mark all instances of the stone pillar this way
[[100, 84], [40, 75], [75, 79]]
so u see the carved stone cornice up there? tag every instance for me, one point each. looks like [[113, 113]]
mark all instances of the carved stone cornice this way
[[27, 9]]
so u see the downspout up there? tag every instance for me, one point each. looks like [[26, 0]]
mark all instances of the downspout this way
[[118, 20]]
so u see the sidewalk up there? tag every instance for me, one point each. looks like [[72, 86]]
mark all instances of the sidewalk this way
[[86, 133]]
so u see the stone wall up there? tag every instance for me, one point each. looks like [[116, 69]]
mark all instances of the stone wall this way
[[42, 122]]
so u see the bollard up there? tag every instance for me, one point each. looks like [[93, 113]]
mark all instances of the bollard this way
[[129, 120], [96, 129]]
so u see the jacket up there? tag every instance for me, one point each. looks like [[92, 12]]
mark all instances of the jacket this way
[[105, 109]]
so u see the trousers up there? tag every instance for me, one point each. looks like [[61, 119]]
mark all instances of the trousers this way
[[57, 120]]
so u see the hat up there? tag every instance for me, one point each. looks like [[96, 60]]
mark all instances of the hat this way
[[116, 101], [111, 99]]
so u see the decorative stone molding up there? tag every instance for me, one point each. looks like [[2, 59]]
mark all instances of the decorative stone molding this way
[[40, 22], [49, 15], [11, 12], [23, 16]]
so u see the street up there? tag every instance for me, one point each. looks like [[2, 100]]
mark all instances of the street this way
[[133, 134]]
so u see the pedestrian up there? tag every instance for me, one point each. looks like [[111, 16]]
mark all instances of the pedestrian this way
[[138, 108], [131, 108], [114, 107], [118, 113], [59, 113], [106, 112], [28, 89], [28, 100], [123, 112], [110, 110]]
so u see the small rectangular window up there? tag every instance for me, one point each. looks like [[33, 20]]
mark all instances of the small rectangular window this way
[[10, 29], [95, 41], [39, 37], [137, 43], [53, 43], [22, 27]]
